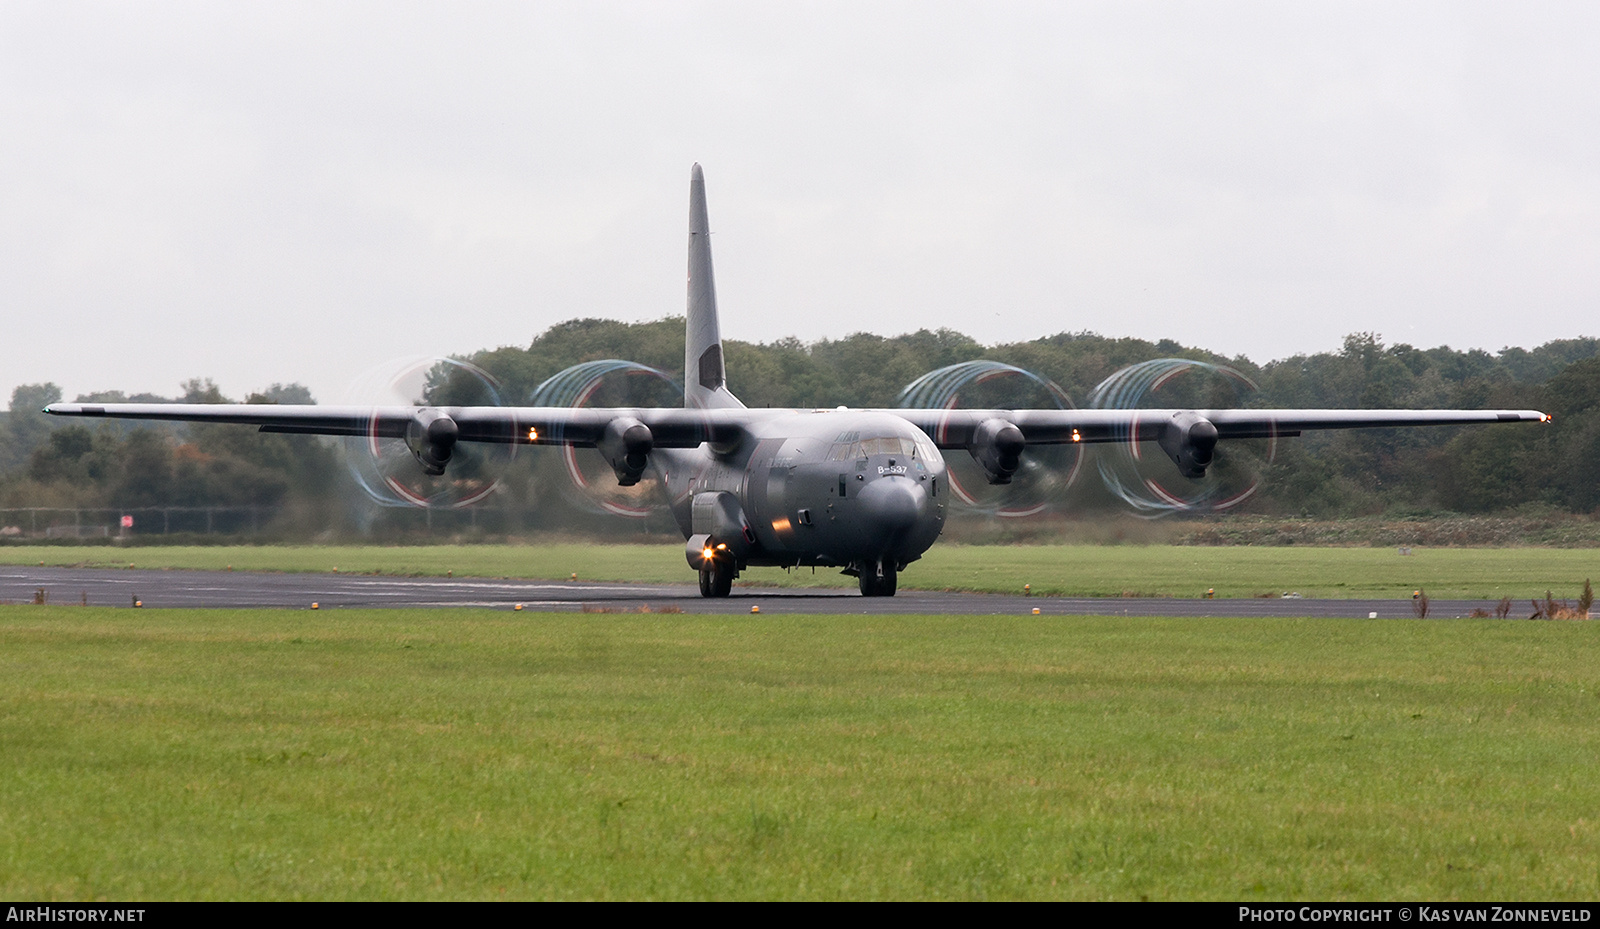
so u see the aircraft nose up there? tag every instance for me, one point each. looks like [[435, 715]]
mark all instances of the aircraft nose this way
[[893, 504]]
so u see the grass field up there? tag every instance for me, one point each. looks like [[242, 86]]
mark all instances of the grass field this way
[[1060, 570], [465, 754]]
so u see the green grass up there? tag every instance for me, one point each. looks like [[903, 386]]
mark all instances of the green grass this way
[[468, 754], [1059, 570]]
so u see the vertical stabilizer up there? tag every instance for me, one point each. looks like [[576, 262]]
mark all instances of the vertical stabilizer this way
[[704, 377]]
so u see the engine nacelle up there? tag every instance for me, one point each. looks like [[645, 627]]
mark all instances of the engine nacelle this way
[[717, 524], [431, 436], [626, 446], [997, 448], [1190, 440]]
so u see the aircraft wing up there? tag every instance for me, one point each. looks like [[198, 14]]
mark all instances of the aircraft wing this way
[[669, 427], [673, 427], [623, 436], [996, 438], [960, 428]]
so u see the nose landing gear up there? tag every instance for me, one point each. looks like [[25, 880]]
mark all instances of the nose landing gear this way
[[877, 577]]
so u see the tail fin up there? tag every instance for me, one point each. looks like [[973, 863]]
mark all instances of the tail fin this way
[[704, 377]]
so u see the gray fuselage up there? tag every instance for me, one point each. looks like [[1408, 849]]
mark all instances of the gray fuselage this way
[[814, 487]]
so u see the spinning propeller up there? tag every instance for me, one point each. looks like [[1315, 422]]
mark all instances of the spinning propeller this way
[[401, 472], [1146, 481], [1044, 473], [608, 383]]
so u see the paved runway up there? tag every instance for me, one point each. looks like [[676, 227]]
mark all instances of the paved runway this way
[[120, 587]]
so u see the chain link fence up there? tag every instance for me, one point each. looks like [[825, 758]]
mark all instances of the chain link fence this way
[[43, 522], [19, 524]]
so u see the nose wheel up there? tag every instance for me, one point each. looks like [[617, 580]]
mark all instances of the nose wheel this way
[[716, 578], [877, 578]]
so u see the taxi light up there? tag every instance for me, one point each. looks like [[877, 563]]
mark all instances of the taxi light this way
[[1076, 437], [722, 546], [533, 434]]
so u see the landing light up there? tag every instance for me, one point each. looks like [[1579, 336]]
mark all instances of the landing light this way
[[1076, 437], [533, 434], [706, 553]]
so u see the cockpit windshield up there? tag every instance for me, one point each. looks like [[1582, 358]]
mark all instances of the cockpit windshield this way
[[914, 449]]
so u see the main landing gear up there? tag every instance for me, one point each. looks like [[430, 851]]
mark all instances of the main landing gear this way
[[877, 577], [716, 578]]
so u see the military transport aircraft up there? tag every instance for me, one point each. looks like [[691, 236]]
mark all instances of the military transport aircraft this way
[[862, 490]]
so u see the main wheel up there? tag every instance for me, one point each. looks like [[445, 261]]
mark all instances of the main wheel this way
[[722, 577]]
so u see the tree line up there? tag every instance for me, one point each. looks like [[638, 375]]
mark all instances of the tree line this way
[[46, 462]]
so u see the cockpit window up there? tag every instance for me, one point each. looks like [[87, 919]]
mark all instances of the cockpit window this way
[[889, 445], [866, 448]]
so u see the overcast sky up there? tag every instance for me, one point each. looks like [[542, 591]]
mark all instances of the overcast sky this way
[[260, 192]]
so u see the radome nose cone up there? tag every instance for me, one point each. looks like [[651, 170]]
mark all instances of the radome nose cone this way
[[893, 504]]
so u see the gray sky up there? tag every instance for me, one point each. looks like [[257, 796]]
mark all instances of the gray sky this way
[[281, 191]]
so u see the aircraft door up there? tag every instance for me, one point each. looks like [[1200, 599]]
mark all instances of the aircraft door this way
[[775, 524], [778, 491]]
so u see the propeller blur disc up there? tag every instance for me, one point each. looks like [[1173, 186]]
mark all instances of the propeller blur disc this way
[[608, 382], [385, 469], [1141, 475], [1046, 471]]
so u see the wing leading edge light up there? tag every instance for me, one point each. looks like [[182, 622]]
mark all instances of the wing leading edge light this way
[[864, 490]]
